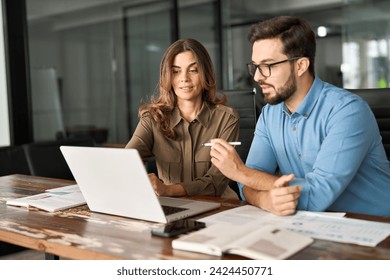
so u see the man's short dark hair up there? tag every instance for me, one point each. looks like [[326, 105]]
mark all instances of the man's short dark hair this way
[[297, 36]]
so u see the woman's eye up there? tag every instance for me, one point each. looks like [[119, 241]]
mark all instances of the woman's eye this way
[[194, 71]]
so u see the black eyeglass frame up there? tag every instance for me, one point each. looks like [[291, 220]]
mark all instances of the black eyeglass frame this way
[[253, 67]]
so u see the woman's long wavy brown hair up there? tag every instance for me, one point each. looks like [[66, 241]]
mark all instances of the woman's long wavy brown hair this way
[[164, 101]]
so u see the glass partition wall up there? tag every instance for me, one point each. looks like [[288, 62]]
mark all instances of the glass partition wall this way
[[150, 29], [75, 60], [148, 34], [93, 62], [366, 45]]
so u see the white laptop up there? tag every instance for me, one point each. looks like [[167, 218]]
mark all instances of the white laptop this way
[[114, 181]]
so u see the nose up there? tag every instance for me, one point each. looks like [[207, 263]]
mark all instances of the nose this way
[[183, 76]]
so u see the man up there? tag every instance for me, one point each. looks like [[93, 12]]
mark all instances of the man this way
[[316, 147]]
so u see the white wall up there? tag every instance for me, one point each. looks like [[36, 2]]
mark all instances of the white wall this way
[[4, 117]]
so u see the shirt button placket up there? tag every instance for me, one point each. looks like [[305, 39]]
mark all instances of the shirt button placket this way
[[295, 135], [187, 160]]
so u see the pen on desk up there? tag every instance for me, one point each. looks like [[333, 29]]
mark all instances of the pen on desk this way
[[231, 143]]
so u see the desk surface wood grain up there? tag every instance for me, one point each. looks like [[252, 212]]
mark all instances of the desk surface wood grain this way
[[78, 233]]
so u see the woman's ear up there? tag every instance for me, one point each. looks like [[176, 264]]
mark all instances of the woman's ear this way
[[303, 65]]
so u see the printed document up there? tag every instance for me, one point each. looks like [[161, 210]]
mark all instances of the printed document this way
[[314, 224]]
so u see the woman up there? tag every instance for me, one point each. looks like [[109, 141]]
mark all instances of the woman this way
[[183, 115]]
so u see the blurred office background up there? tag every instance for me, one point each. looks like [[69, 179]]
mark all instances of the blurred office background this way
[[78, 67]]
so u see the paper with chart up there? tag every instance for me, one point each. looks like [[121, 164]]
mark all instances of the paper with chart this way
[[313, 224]]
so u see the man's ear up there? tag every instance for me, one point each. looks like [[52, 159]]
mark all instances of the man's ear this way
[[303, 65]]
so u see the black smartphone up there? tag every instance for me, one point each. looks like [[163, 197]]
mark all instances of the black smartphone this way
[[178, 227]]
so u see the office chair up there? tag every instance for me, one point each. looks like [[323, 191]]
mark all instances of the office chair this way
[[45, 158], [13, 161], [379, 101], [244, 102]]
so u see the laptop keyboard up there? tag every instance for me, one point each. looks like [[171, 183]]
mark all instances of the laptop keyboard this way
[[168, 210]]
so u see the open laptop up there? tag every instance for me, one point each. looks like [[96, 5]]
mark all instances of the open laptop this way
[[114, 181]]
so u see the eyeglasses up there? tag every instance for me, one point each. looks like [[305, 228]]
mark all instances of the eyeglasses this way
[[265, 69]]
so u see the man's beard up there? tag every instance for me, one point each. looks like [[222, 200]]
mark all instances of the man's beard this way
[[284, 93]]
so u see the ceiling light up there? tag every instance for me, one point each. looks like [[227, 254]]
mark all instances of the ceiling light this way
[[322, 31]]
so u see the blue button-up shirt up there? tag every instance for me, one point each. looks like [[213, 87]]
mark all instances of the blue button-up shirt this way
[[333, 146]]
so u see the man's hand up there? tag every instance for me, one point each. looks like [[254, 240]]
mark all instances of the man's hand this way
[[284, 181], [225, 158], [282, 200]]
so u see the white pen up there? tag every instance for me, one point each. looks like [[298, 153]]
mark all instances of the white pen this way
[[231, 143]]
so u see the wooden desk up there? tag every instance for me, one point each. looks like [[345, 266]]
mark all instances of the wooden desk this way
[[80, 234]]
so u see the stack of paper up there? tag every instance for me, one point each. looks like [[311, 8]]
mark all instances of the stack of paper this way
[[53, 199]]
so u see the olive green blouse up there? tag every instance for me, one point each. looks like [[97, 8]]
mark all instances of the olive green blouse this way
[[185, 160]]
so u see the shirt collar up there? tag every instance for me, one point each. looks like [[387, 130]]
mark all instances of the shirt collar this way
[[203, 117], [308, 103]]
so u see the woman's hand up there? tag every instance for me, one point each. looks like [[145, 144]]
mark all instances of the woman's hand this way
[[165, 190]]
